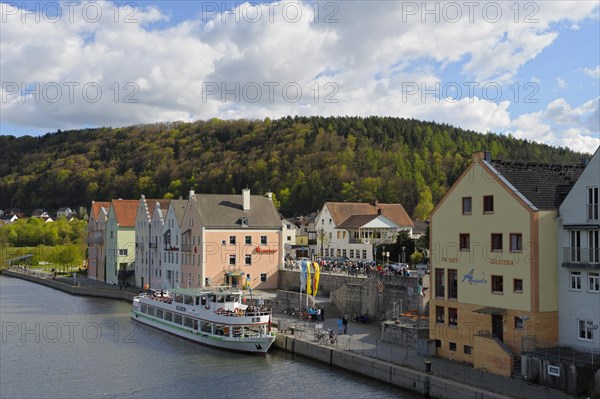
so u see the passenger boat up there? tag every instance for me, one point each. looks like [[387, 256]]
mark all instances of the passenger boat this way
[[216, 318]]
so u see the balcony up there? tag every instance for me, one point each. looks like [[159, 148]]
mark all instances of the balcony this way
[[580, 257]]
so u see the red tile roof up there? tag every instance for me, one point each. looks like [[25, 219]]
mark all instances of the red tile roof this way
[[341, 211], [97, 205], [125, 211]]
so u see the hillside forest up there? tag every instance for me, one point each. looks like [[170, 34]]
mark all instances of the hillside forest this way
[[304, 161]]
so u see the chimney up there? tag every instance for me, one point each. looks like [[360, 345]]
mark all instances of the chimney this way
[[192, 194], [478, 156], [246, 199], [269, 195]]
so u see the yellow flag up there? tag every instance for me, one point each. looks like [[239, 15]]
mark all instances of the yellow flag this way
[[317, 274], [308, 280]]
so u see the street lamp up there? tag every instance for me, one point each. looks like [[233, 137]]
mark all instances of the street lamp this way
[[403, 255]]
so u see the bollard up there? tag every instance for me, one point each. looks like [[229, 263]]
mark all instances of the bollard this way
[[427, 366]]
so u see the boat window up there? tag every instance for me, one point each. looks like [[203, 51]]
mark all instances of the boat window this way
[[188, 322], [203, 300], [144, 308], [150, 310], [197, 300], [206, 327], [220, 299], [178, 298], [168, 316], [177, 319], [188, 300], [229, 298], [213, 298], [159, 313]]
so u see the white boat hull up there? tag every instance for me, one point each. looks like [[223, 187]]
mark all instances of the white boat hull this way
[[258, 344]]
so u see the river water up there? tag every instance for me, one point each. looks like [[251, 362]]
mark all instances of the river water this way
[[55, 345]]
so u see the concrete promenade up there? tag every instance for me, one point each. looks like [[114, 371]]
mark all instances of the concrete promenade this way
[[361, 350], [448, 379]]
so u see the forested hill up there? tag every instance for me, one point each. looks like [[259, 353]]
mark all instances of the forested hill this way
[[303, 160]]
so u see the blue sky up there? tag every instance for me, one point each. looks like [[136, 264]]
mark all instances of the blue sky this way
[[530, 69]]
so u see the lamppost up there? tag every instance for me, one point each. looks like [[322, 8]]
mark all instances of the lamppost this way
[[403, 255]]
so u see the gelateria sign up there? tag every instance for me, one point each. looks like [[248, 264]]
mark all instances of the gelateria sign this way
[[468, 277], [265, 250]]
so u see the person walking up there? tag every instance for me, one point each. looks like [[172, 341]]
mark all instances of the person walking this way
[[345, 324], [340, 324]]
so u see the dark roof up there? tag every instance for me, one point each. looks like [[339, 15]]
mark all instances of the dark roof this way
[[226, 211], [420, 227], [545, 185], [356, 221]]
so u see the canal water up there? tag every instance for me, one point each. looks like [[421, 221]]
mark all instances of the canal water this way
[[55, 345]]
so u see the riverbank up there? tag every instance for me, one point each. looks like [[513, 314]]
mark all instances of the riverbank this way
[[81, 286], [361, 351]]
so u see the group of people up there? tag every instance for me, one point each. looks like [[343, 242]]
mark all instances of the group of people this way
[[342, 325], [316, 313]]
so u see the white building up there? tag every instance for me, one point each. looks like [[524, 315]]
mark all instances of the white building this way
[[147, 235], [289, 232], [579, 261], [353, 230], [171, 262]]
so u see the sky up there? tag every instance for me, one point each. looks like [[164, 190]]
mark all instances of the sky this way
[[530, 69]]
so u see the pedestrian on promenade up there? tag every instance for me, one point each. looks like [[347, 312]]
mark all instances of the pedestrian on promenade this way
[[322, 314], [340, 324], [345, 324]]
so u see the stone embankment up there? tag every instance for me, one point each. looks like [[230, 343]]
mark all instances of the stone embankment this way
[[70, 286]]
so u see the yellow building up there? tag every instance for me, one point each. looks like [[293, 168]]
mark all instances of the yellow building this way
[[493, 258]]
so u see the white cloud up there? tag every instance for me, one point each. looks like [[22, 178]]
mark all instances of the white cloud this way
[[561, 83], [363, 64], [562, 125], [593, 72]]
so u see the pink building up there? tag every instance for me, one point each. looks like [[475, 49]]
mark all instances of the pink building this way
[[230, 239]]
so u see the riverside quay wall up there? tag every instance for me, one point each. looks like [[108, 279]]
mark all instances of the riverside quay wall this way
[[73, 289], [380, 297], [423, 383]]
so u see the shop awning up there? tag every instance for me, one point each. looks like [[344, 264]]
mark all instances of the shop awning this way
[[490, 310]]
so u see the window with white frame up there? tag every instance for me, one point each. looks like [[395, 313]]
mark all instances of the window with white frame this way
[[594, 282], [122, 252], [232, 240], [575, 247], [263, 240], [575, 281], [232, 259], [592, 203], [263, 277], [586, 329], [248, 260], [594, 246]]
